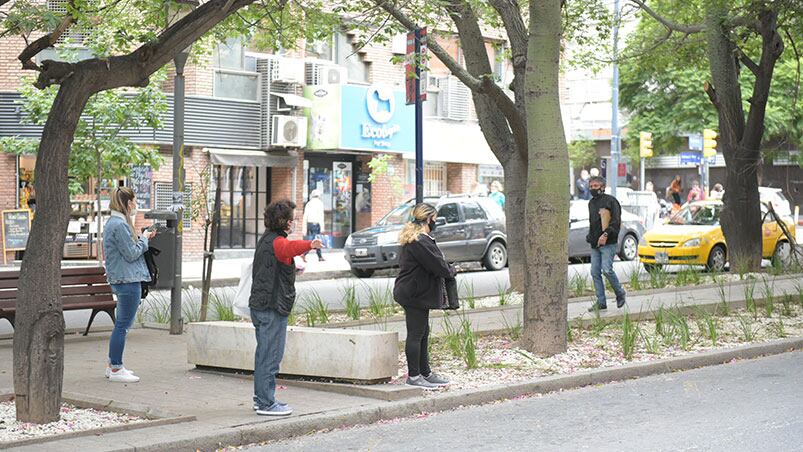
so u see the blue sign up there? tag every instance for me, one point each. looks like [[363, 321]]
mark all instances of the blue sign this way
[[696, 142], [691, 158], [376, 118]]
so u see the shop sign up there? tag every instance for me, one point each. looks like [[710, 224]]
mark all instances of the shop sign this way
[[369, 118]]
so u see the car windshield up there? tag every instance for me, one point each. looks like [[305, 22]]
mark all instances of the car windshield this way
[[399, 215], [696, 214]]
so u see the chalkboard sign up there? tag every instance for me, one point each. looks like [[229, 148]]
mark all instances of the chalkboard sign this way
[[16, 228], [140, 181]]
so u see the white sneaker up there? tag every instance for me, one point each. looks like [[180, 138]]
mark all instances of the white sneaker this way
[[109, 371], [122, 376]]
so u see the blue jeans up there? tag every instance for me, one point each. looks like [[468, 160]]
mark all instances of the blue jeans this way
[[128, 298], [271, 332], [314, 229], [602, 264]]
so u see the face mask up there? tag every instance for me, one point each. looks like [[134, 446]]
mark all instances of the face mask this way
[[133, 212], [595, 192], [432, 225]]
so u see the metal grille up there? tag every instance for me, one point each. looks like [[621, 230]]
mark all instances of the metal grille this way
[[456, 103], [434, 179], [164, 199], [264, 69]]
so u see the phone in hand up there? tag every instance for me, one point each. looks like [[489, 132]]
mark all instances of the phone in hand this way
[[319, 237]]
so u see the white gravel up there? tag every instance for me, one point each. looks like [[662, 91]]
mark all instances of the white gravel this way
[[72, 420]]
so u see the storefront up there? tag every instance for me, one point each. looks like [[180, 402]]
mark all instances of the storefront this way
[[348, 125]]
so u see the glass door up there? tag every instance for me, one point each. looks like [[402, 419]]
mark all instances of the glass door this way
[[341, 203]]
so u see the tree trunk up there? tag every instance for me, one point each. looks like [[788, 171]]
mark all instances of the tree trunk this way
[[209, 255], [515, 189], [547, 200], [39, 331]]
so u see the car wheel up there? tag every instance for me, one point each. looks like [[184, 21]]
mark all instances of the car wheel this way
[[782, 254], [496, 257], [360, 273], [717, 259], [629, 248], [653, 267]]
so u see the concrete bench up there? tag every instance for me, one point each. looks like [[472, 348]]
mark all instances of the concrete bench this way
[[339, 354]]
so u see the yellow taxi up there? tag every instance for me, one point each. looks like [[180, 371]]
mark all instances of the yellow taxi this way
[[693, 236]]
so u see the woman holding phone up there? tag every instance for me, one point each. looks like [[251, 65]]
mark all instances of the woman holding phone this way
[[421, 286], [125, 271]]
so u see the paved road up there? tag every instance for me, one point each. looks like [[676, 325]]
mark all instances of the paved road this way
[[746, 406]]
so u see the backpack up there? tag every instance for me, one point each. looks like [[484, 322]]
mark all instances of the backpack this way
[[150, 261]]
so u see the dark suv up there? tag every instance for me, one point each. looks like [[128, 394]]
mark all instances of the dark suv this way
[[470, 228]]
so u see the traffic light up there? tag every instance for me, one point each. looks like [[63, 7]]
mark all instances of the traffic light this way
[[645, 144], [709, 143]]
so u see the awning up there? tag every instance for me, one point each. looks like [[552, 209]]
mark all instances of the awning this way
[[242, 157], [455, 142], [292, 100]]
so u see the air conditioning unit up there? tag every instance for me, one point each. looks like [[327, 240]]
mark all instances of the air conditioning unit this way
[[287, 70], [325, 74], [289, 131]]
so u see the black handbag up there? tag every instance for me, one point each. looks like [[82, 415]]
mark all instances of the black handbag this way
[[153, 270], [453, 301]]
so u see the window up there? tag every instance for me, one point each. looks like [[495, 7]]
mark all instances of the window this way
[[235, 72], [244, 193], [473, 212], [450, 212], [321, 50], [434, 178], [346, 55]]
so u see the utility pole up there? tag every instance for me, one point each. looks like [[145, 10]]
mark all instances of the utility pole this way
[[616, 141], [176, 322], [416, 56]]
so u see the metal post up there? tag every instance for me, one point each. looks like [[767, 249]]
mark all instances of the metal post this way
[[615, 138], [419, 122], [176, 322], [643, 173]]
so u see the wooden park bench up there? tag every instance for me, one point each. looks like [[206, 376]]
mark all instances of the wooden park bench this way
[[81, 288]]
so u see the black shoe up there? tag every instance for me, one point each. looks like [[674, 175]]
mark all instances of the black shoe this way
[[596, 307], [620, 302]]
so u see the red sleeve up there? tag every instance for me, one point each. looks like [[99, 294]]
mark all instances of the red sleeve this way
[[286, 250]]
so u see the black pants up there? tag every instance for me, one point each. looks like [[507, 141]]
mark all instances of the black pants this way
[[312, 230], [676, 198], [417, 341]]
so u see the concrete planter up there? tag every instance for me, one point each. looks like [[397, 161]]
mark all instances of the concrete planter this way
[[342, 354]]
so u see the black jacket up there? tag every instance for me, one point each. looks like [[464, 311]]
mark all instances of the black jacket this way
[[603, 201], [273, 285], [421, 280]]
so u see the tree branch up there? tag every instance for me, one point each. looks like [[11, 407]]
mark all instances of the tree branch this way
[[682, 28], [747, 61], [771, 49], [712, 94], [48, 40], [510, 12]]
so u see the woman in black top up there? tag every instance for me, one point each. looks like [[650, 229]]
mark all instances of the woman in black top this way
[[420, 287]]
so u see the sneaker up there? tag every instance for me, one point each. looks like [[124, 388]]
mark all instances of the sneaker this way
[[321, 260], [275, 410], [123, 377], [123, 369], [436, 379], [595, 307], [256, 406], [421, 382], [620, 302]]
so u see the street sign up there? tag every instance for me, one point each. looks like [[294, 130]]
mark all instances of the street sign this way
[[696, 142], [690, 158], [412, 60]]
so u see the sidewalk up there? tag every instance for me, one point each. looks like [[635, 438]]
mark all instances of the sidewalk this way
[[221, 403]]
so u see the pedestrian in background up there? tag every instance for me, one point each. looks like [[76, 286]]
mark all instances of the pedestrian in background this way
[[696, 193], [496, 193], [126, 271], [273, 294], [605, 219], [675, 189], [649, 187], [312, 223], [420, 287], [594, 172], [717, 192], [581, 186]]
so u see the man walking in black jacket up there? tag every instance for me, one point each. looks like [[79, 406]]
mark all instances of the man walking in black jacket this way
[[605, 218]]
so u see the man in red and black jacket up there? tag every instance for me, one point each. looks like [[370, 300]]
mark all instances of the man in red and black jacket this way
[[273, 293]]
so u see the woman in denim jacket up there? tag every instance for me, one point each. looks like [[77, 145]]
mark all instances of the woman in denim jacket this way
[[125, 270]]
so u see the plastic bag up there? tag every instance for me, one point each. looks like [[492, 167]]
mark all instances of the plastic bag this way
[[244, 291]]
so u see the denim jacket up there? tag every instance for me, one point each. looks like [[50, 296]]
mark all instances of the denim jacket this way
[[124, 257]]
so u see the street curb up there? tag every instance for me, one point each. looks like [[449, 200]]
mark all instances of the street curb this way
[[234, 282], [369, 414]]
